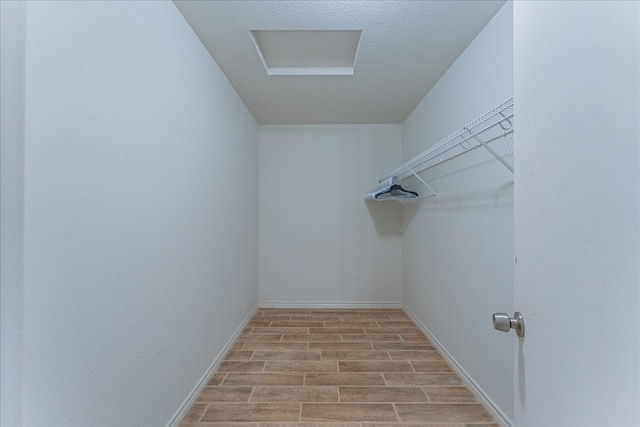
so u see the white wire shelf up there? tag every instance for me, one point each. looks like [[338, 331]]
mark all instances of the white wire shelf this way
[[491, 126]]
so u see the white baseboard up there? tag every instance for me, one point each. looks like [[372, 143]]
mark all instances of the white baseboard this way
[[191, 398], [491, 407], [324, 305]]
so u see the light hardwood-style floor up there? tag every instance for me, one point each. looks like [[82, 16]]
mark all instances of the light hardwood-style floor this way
[[334, 368]]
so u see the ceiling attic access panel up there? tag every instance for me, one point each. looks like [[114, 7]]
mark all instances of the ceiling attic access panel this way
[[307, 52]]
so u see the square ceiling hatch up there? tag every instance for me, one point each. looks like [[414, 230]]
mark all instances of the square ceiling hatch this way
[[307, 52]]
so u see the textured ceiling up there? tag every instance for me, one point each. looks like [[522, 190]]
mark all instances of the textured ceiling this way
[[405, 47]]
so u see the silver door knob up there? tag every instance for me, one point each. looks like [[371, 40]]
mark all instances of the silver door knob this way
[[502, 322]]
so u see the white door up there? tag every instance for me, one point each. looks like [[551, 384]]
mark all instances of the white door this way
[[577, 212]]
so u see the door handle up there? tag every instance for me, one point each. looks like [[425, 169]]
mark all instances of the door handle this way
[[502, 322]]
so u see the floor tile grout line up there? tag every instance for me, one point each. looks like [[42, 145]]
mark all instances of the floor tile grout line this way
[[395, 409], [203, 412], [251, 394], [426, 394]]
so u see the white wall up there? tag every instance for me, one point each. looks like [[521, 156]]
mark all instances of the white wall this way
[[577, 211], [12, 39], [318, 241], [140, 213], [458, 248]]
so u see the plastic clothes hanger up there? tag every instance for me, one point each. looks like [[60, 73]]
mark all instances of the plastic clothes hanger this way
[[395, 192]]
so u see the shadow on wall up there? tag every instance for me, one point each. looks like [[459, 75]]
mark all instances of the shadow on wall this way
[[496, 197], [391, 217], [492, 186]]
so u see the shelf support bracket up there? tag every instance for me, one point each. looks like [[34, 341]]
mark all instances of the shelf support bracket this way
[[490, 150], [435, 193]]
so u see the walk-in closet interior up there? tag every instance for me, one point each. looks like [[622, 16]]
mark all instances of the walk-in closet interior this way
[[159, 196]]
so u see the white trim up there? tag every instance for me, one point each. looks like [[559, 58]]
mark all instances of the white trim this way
[[12, 219], [191, 398], [310, 71], [323, 305], [493, 409]]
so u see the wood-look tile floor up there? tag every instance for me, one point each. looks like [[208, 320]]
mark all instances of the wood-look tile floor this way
[[334, 368]]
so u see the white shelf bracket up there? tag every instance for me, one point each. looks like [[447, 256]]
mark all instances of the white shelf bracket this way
[[490, 150], [435, 193]]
